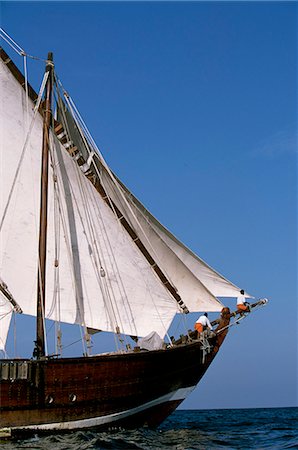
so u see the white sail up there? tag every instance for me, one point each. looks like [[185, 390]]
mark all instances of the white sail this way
[[18, 233], [129, 296], [5, 319]]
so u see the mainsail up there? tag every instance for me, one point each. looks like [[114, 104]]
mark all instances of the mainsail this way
[[96, 276]]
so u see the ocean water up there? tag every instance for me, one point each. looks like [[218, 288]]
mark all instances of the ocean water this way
[[269, 428]]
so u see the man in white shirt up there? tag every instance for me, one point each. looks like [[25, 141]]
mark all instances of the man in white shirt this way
[[202, 323], [242, 305]]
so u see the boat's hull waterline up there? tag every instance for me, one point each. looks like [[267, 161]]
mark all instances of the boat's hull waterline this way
[[116, 390]]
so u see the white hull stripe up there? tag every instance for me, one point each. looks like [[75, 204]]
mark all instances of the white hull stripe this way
[[180, 394]]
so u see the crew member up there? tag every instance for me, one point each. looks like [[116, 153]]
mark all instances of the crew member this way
[[242, 304], [203, 323]]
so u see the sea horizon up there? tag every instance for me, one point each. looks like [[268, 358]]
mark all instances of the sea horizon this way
[[235, 408]]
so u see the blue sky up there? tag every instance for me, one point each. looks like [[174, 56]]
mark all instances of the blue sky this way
[[194, 106]]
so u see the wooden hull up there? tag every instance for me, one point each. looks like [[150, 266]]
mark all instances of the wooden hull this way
[[122, 390]]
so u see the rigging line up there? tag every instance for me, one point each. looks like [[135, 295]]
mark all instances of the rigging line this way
[[31, 152], [2, 316], [26, 89], [6, 356], [14, 334], [11, 42], [77, 117], [110, 293], [49, 146], [27, 129], [56, 293], [56, 253], [97, 240], [58, 197], [101, 280], [158, 313], [148, 289], [145, 280], [79, 177], [24, 148], [115, 267], [79, 298], [124, 234], [185, 324], [69, 345], [17, 48], [70, 262], [56, 235], [86, 135], [42, 307], [177, 327], [182, 322], [70, 259]]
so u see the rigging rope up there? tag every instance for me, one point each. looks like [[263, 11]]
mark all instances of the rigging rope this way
[[62, 214], [11, 42], [56, 306], [26, 89], [17, 48]]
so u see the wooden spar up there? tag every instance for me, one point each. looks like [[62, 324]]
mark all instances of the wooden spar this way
[[17, 74], [39, 350]]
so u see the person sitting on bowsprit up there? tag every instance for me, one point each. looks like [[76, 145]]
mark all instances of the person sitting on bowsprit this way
[[242, 304]]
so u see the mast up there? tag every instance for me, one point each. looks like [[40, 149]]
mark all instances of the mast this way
[[39, 350]]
